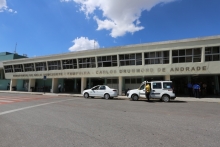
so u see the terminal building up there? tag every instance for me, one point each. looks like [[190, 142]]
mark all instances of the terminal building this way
[[195, 60]]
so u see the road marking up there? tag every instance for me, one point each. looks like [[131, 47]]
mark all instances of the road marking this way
[[29, 107]]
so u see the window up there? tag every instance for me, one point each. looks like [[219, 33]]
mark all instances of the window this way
[[186, 55], [156, 85], [29, 67], [107, 61], [102, 88], [130, 59], [156, 57], [212, 53], [69, 64], [167, 85], [54, 65], [18, 68], [112, 81], [133, 80], [8, 69], [87, 62], [41, 66]]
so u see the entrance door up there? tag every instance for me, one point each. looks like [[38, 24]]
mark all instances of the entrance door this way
[[68, 85]]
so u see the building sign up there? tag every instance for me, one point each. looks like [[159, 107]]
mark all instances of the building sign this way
[[101, 72]]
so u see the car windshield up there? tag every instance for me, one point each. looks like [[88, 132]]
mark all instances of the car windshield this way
[[142, 86]]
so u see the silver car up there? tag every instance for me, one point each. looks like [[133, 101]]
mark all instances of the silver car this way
[[100, 91]]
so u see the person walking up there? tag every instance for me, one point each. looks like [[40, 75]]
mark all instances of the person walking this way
[[147, 91], [59, 88], [197, 90]]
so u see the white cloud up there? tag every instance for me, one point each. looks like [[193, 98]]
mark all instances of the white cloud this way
[[119, 16], [83, 43], [4, 7]]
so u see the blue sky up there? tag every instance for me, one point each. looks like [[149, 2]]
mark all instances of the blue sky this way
[[45, 27]]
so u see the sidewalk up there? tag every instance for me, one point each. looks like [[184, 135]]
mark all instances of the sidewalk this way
[[213, 99]]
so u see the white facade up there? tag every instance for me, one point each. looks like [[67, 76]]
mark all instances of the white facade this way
[[192, 58]]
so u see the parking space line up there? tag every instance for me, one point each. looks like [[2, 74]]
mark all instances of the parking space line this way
[[34, 106]]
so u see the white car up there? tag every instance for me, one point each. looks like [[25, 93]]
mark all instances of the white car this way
[[100, 91], [159, 90]]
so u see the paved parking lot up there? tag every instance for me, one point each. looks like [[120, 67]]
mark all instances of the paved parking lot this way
[[75, 121]]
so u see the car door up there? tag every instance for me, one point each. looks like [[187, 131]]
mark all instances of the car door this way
[[156, 89], [94, 91], [101, 91], [142, 89]]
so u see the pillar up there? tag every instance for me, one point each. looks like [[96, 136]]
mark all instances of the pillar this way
[[83, 84], [31, 84], [13, 83], [203, 55], [54, 87], [120, 85], [167, 77], [170, 57]]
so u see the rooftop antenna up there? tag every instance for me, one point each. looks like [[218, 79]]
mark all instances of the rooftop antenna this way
[[15, 47]]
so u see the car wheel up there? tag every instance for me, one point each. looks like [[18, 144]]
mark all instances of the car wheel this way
[[106, 96], [134, 97], [165, 98], [86, 95]]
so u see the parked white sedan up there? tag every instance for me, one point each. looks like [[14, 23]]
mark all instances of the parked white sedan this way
[[100, 91]]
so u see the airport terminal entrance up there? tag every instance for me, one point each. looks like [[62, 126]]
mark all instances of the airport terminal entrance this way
[[208, 83], [72, 85]]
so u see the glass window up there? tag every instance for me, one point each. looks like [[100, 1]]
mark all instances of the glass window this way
[[181, 52], [127, 81], [167, 85], [156, 85], [107, 61], [215, 57], [188, 51], [29, 67], [157, 57], [114, 81], [133, 80], [175, 53], [215, 50], [197, 51], [8, 69], [131, 59]]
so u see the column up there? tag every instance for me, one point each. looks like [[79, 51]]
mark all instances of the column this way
[[170, 58], [120, 85], [167, 77], [83, 84], [143, 59], [203, 55], [13, 83], [54, 87], [31, 84]]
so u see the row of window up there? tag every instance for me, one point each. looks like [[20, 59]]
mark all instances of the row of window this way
[[158, 57]]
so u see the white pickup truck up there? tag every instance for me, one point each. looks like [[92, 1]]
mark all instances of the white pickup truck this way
[[159, 90]]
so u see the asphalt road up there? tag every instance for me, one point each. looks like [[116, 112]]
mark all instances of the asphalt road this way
[[55, 121]]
